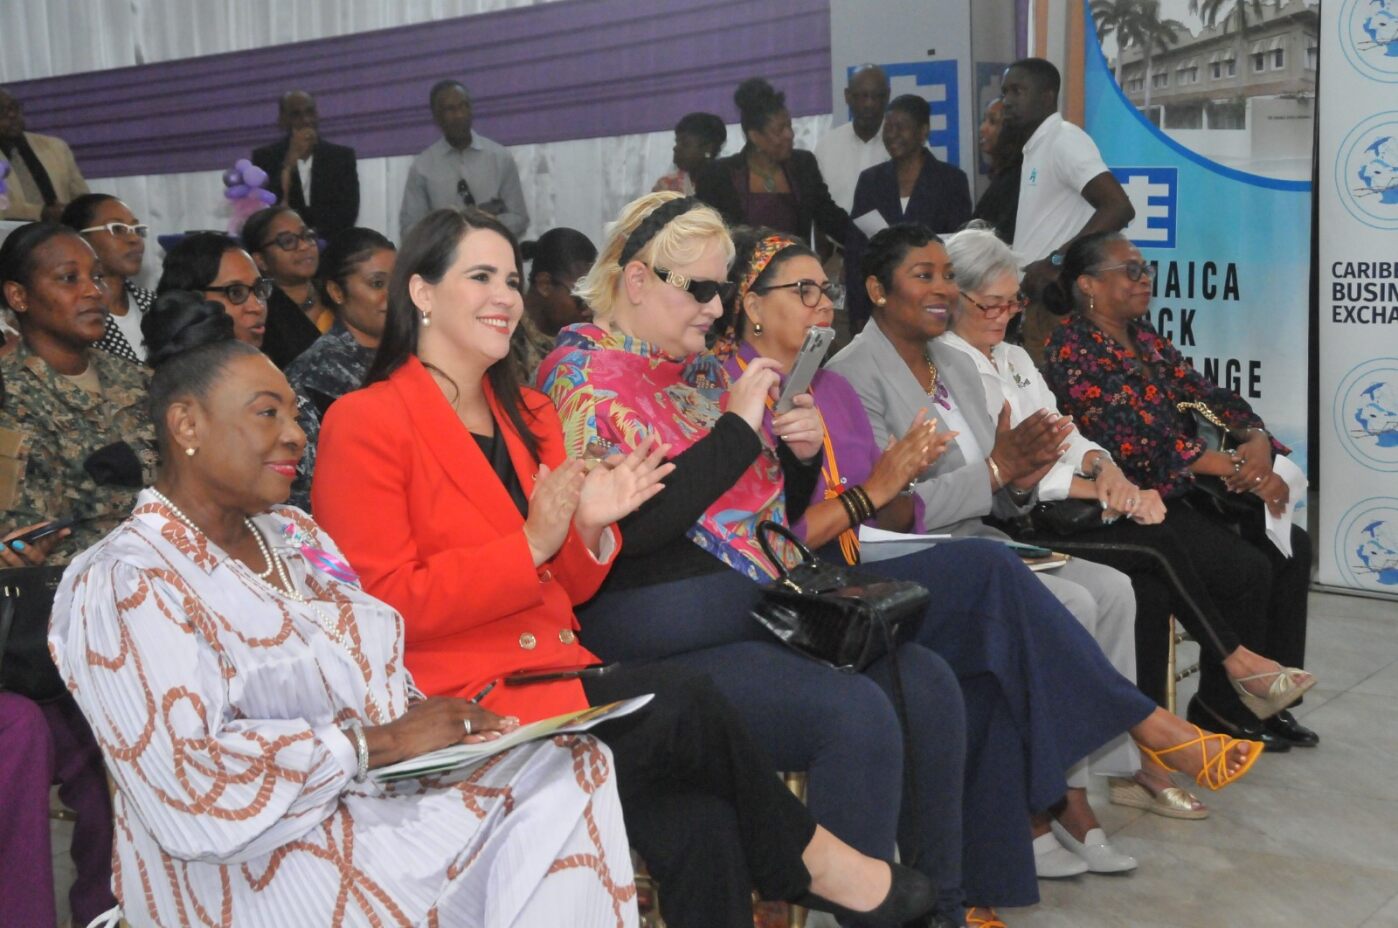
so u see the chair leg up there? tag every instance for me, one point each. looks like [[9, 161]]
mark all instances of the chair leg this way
[[796, 782], [1170, 669]]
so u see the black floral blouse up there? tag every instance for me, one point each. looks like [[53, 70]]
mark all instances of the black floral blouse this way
[[1127, 405]]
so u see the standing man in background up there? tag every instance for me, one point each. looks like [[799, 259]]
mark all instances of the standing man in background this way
[[1065, 191], [848, 149], [44, 178], [462, 168], [318, 179]]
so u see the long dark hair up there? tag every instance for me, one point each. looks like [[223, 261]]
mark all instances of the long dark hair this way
[[429, 251], [1062, 296], [193, 263]]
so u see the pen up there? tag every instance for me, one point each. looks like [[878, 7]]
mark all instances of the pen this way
[[483, 693]]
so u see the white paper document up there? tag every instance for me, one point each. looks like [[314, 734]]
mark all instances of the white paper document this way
[[871, 223], [1279, 527], [876, 544], [464, 755]]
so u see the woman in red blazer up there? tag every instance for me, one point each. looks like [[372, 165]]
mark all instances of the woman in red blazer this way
[[446, 486]]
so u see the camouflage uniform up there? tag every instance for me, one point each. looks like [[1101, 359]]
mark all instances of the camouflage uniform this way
[[334, 365], [528, 348], [48, 428]]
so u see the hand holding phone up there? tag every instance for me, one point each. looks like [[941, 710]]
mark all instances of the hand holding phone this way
[[818, 340]]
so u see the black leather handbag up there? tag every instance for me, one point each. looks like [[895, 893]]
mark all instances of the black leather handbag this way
[[1213, 494], [832, 614], [1066, 517], [26, 599]]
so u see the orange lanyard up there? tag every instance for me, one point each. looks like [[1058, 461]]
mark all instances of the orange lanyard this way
[[830, 470]]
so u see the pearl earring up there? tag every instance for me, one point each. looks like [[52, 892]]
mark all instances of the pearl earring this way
[[426, 319], [189, 452], [757, 328], [881, 301], [1091, 303]]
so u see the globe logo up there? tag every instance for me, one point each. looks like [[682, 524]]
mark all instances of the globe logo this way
[[1365, 413], [1369, 37], [1366, 545], [1366, 171]]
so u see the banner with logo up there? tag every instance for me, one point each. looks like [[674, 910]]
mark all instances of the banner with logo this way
[[1211, 135], [1358, 536]]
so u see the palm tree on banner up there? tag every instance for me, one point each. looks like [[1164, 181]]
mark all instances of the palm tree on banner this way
[[1117, 17], [1242, 14]]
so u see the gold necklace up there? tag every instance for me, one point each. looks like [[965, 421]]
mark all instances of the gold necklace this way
[[932, 371]]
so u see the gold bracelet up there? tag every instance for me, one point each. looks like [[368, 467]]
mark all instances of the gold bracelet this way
[[995, 472]]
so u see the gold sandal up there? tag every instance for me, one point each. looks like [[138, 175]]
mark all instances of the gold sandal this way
[[1171, 802], [1213, 771], [1282, 692]]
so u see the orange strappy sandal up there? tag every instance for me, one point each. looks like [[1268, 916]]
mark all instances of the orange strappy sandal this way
[[983, 916], [1214, 771]]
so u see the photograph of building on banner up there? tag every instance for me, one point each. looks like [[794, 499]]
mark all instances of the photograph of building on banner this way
[[1232, 80]]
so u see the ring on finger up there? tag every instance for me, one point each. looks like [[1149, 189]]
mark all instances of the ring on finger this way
[[468, 726]]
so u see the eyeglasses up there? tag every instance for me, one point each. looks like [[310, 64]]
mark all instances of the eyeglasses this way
[[119, 228], [996, 310], [1135, 270], [703, 291], [238, 292], [290, 241], [810, 292], [463, 190]]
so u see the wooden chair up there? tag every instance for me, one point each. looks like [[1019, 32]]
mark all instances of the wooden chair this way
[[1174, 674]]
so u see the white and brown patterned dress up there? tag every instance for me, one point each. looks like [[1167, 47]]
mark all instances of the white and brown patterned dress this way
[[217, 700]]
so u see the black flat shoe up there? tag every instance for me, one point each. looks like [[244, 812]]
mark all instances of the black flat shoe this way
[[1285, 727], [1206, 718], [911, 896]]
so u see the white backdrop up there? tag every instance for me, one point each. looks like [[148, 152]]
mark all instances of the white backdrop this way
[[582, 183]]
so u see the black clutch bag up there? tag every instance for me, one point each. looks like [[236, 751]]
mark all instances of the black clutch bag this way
[[833, 614], [1213, 494], [26, 599], [1066, 517]]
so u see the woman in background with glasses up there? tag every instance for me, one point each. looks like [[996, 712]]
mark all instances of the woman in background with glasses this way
[[120, 242], [289, 253], [1121, 381]]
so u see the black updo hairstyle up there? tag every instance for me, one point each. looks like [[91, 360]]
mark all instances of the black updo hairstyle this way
[[1061, 296], [914, 107], [429, 250], [190, 342], [706, 127], [343, 255], [193, 263], [17, 262], [745, 239], [255, 229], [758, 101], [78, 214], [888, 248], [556, 252]]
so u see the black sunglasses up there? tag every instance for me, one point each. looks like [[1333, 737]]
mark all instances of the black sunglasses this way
[[238, 292], [463, 190], [703, 291]]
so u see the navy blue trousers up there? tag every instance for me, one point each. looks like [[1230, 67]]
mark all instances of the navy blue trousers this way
[[841, 728], [1040, 695]]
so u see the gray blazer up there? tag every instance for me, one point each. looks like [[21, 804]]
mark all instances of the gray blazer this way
[[955, 492]]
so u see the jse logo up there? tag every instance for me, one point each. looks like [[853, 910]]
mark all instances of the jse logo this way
[[1154, 192]]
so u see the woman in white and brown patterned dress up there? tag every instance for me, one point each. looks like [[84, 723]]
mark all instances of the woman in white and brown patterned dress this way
[[241, 684]]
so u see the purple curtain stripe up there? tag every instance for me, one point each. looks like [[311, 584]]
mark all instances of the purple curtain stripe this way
[[566, 70]]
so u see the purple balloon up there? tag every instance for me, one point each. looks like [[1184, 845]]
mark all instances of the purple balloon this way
[[266, 196], [237, 191], [242, 164], [232, 177], [254, 176]]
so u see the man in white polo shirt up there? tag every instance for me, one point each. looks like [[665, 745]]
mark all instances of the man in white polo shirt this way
[[848, 149], [1065, 189]]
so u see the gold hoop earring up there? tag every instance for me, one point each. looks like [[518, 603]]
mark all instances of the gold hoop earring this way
[[757, 328]]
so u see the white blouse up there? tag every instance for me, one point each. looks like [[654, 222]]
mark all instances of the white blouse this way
[[1009, 375], [217, 701]]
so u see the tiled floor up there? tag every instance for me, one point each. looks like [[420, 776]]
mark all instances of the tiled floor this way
[[1309, 838]]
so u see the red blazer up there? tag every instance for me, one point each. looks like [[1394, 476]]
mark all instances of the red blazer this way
[[412, 502]]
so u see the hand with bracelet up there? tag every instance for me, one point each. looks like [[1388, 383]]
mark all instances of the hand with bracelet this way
[[428, 725], [1118, 495], [1022, 455], [905, 458], [1252, 463]]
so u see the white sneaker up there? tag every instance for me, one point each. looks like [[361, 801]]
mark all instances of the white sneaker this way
[[1094, 850], [1053, 861]]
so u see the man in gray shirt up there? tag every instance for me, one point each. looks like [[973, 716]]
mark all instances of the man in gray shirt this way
[[462, 168]]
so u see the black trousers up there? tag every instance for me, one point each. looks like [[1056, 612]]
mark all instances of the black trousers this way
[[1228, 585], [701, 801]]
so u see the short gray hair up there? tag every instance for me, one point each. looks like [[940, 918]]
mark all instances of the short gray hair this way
[[979, 257]]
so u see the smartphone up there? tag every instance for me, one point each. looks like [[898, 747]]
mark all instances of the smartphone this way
[[819, 338], [1028, 552], [44, 531], [551, 675]]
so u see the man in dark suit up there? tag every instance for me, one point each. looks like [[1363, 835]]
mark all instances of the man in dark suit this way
[[316, 178]]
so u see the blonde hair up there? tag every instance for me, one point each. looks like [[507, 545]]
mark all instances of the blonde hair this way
[[681, 241]]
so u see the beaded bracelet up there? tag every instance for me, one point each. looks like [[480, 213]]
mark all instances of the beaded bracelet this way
[[355, 729], [866, 505], [851, 509]]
